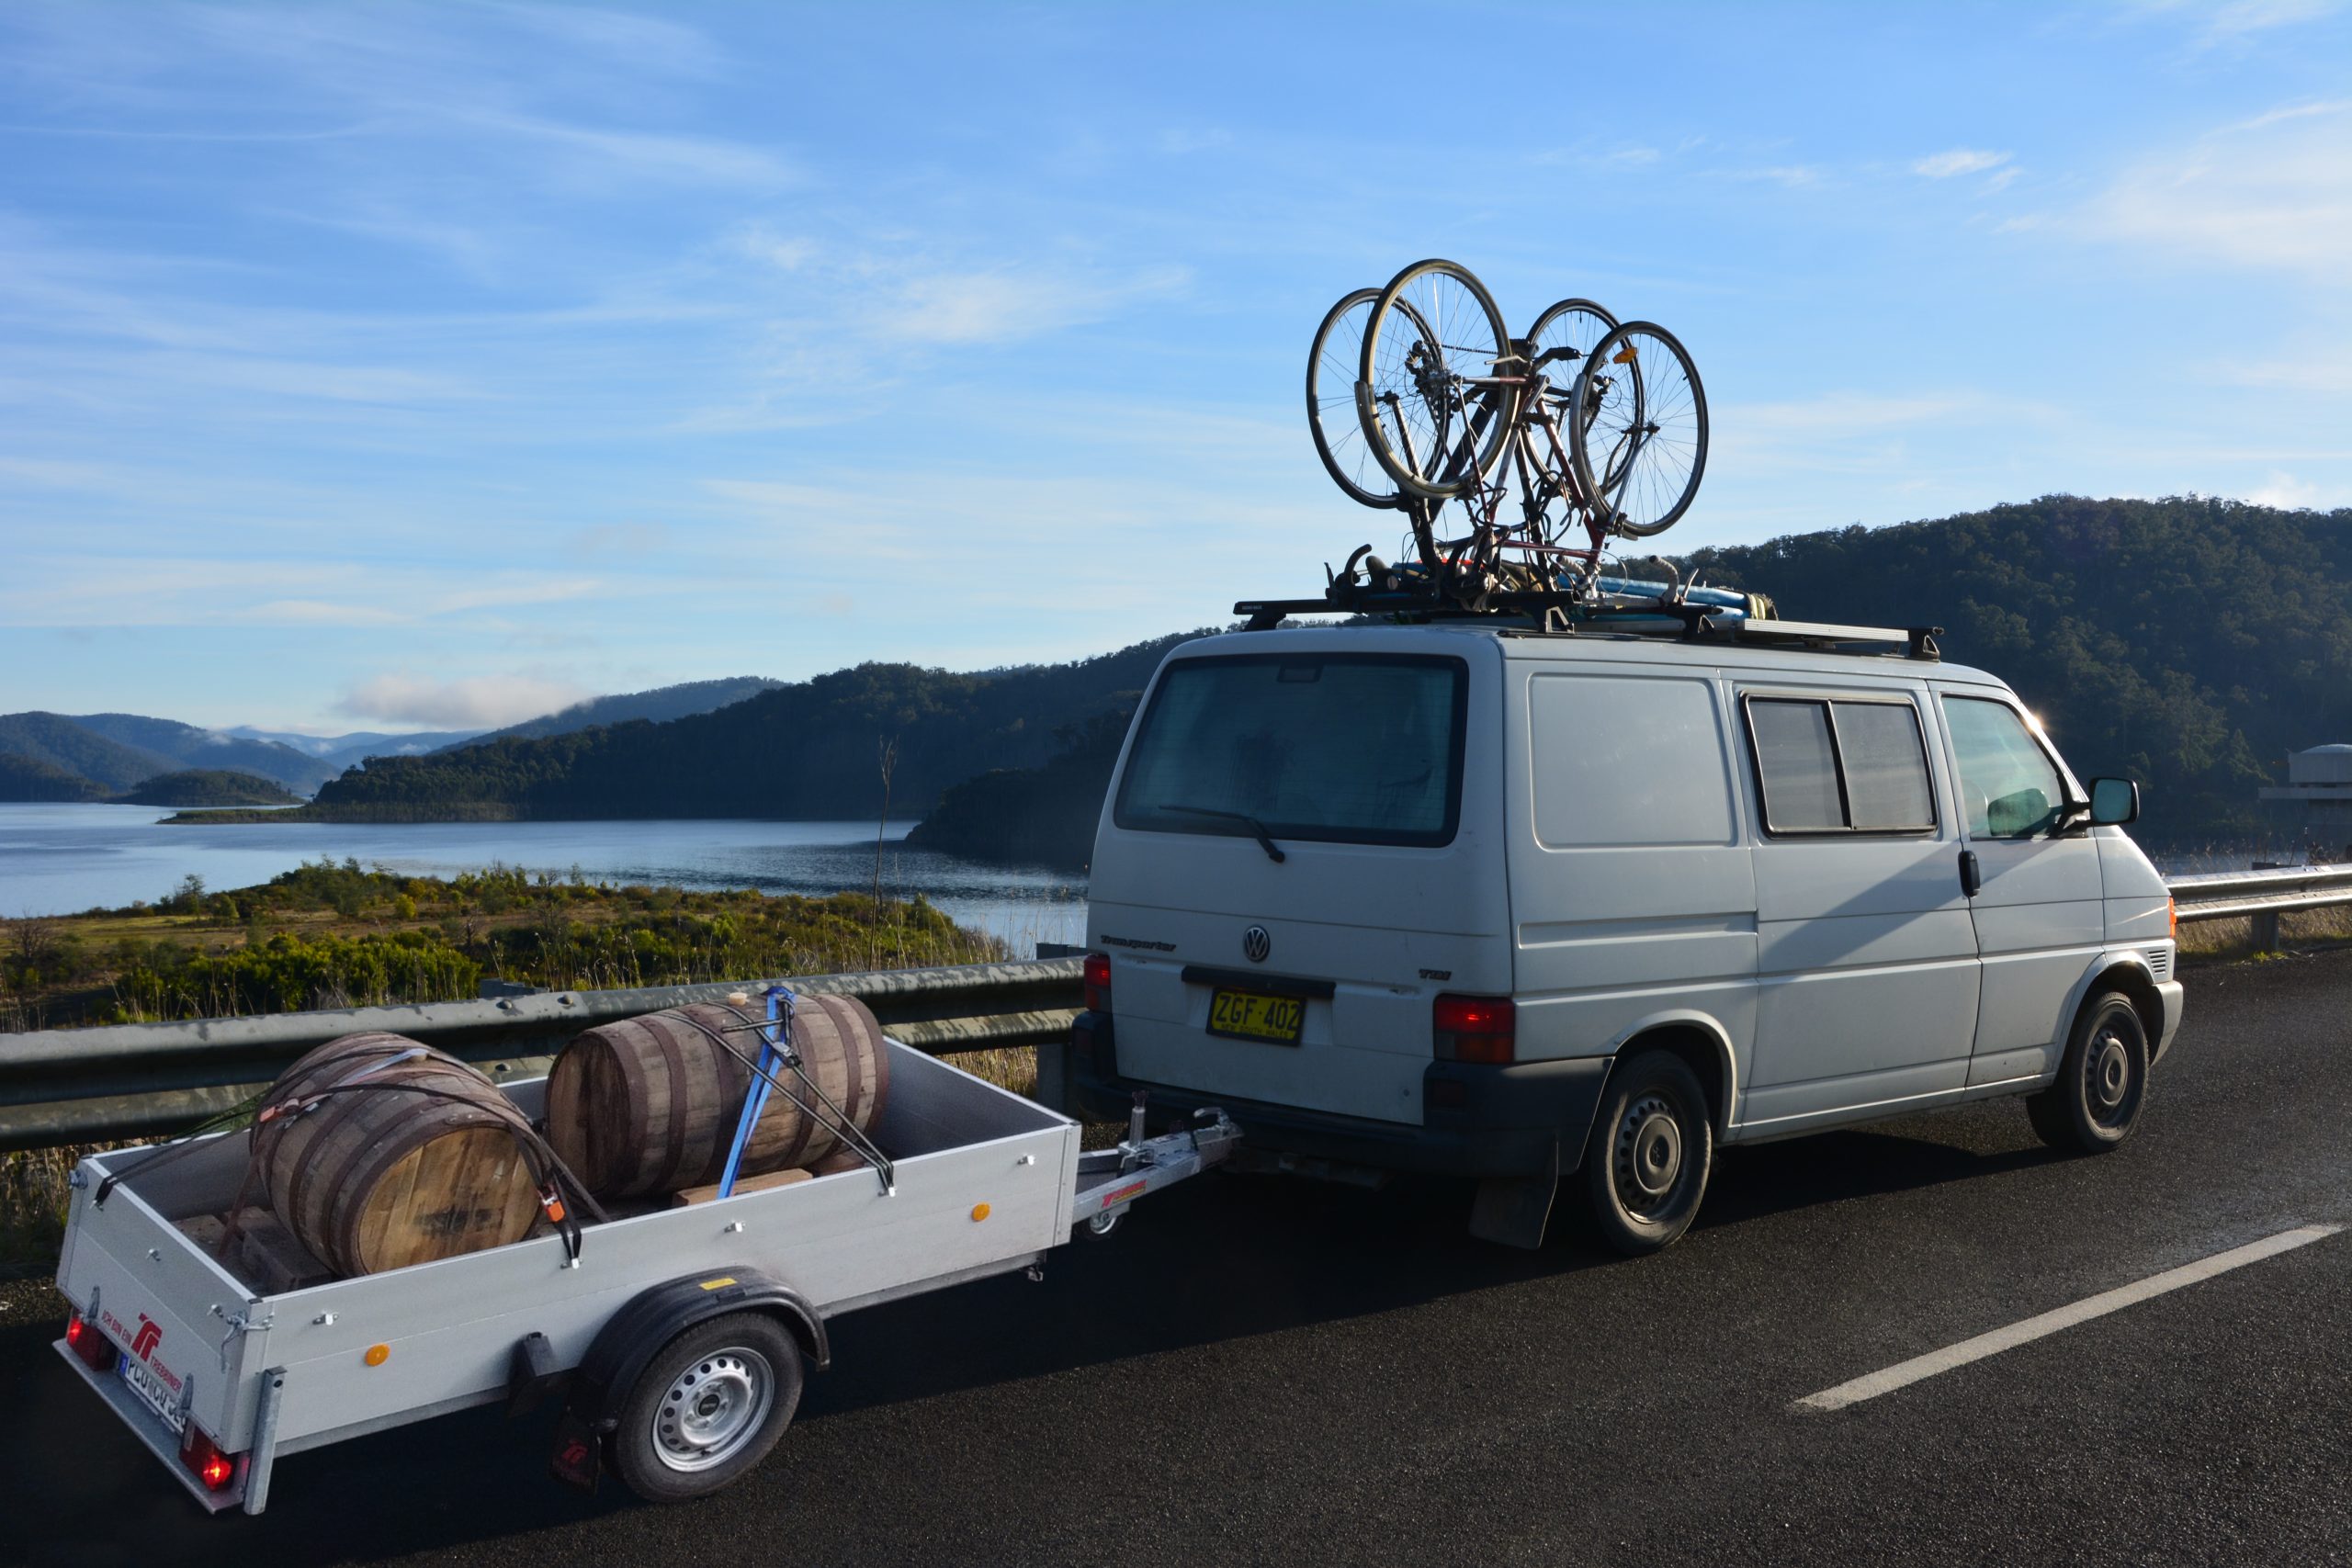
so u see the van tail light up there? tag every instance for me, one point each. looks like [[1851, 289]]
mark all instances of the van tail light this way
[[1475, 1029], [1098, 982], [82, 1337], [206, 1461]]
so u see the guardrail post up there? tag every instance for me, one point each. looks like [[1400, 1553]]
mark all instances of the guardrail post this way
[[2265, 930]]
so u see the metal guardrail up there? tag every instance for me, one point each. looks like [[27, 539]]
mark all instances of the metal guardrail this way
[[67, 1086], [136, 1080], [2262, 895]]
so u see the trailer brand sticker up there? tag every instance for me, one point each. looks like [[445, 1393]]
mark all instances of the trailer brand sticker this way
[[718, 1284], [1132, 1190]]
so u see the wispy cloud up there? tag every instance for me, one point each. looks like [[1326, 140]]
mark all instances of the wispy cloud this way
[[1793, 175], [1958, 161], [2272, 192], [2288, 493], [473, 702], [1007, 304], [2239, 18]]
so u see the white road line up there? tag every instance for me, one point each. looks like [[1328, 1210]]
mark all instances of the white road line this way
[[1887, 1380]]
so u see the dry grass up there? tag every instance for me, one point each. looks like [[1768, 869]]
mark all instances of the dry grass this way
[[2301, 927], [33, 1208]]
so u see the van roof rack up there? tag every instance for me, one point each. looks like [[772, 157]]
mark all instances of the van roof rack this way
[[1565, 612], [1918, 642]]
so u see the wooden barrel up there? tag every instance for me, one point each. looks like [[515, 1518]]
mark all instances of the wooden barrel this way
[[423, 1163], [649, 1105]]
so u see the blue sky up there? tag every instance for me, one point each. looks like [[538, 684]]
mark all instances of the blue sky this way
[[389, 365]]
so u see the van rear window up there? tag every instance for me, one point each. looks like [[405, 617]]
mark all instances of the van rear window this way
[[1362, 748]]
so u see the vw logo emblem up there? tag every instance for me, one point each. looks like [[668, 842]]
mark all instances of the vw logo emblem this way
[[1256, 945]]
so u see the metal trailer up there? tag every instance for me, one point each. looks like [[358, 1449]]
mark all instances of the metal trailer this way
[[677, 1336]]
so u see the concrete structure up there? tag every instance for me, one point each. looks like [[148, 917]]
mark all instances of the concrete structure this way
[[2320, 780]]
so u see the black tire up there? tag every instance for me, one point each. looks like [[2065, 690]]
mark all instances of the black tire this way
[[1433, 325], [2094, 1104], [1640, 441], [1331, 405], [708, 1407], [1646, 1164]]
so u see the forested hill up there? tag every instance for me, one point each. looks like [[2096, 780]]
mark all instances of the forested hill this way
[[807, 749], [2189, 643], [661, 703]]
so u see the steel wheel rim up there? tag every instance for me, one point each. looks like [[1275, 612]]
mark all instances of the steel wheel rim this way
[[713, 1410], [1648, 1156], [2110, 1075]]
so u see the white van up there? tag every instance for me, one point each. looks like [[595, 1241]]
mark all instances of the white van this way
[[1466, 898]]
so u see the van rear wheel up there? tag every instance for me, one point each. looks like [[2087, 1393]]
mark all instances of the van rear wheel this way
[[2093, 1103], [1647, 1162]]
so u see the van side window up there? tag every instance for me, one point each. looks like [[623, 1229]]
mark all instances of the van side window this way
[[1624, 760], [1834, 765], [1886, 766], [2008, 786]]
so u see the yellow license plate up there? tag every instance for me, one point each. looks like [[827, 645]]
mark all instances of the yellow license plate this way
[[1253, 1015]]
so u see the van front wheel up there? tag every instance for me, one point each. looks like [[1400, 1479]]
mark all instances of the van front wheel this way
[[2094, 1104], [1645, 1165]]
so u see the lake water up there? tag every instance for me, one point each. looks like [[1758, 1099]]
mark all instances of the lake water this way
[[61, 859]]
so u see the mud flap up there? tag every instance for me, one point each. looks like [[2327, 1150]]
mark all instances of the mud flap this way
[[578, 1455], [1513, 1211]]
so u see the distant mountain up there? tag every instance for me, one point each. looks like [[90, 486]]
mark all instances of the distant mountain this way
[[210, 787], [28, 778], [660, 705], [72, 747], [185, 747], [803, 750], [341, 751]]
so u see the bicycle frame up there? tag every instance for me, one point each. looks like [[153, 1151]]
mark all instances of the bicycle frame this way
[[1528, 396]]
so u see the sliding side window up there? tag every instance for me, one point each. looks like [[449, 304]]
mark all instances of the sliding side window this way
[[1839, 765]]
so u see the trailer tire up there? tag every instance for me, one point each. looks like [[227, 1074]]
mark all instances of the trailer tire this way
[[708, 1407]]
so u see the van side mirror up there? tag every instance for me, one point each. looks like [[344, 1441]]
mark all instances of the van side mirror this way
[[2114, 802]]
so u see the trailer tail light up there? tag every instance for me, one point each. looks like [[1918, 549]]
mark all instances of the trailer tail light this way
[[1098, 982], [206, 1461], [2172, 917], [82, 1337], [1475, 1029]]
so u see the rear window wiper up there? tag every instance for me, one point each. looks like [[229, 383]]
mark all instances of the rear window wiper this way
[[1265, 839]]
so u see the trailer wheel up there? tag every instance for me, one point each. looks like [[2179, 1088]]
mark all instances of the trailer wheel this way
[[708, 1407]]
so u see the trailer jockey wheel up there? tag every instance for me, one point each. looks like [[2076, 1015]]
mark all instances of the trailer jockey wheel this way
[[708, 1407], [1100, 1225]]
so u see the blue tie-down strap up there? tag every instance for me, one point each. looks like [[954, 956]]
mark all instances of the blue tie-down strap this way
[[776, 1044]]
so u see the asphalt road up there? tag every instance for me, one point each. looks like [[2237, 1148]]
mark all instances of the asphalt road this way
[[1261, 1372]]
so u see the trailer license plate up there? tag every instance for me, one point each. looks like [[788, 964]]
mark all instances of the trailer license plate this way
[[151, 1393], [1252, 1015]]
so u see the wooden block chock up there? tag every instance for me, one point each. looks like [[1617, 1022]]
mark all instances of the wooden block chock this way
[[742, 1185]]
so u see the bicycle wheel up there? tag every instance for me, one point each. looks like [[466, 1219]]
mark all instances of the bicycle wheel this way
[[1332, 403], [1642, 449], [1561, 341], [1563, 337], [1433, 329]]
